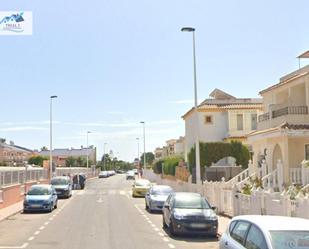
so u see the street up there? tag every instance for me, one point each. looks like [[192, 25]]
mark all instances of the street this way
[[103, 215]]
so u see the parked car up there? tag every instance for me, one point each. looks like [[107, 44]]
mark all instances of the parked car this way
[[189, 213], [130, 175], [63, 186], [40, 197], [266, 232], [103, 174], [120, 171], [155, 198], [135, 171], [140, 187], [79, 181]]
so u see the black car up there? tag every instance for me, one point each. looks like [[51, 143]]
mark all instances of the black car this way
[[189, 213], [62, 185]]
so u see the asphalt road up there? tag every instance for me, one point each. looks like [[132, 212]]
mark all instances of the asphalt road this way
[[104, 215]]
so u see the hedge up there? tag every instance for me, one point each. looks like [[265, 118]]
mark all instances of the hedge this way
[[213, 152], [167, 166]]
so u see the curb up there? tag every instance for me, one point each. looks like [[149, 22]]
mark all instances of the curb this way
[[4, 217]]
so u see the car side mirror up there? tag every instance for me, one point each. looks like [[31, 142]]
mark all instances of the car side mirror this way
[[214, 208]]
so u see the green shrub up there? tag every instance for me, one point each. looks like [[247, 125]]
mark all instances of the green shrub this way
[[214, 151], [157, 166], [170, 164]]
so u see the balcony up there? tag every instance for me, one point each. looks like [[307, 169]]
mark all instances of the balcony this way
[[289, 114]]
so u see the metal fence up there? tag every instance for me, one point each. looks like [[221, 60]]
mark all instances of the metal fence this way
[[90, 172], [19, 176]]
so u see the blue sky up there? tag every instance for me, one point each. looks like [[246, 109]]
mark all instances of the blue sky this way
[[113, 63]]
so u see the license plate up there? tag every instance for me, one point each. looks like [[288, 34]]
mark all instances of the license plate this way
[[36, 205], [198, 225]]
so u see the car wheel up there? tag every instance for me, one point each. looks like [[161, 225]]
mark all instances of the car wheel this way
[[171, 228], [50, 208], [56, 204], [163, 222], [146, 206]]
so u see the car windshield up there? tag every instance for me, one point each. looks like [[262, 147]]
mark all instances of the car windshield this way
[[290, 239], [161, 191], [39, 191], [191, 202], [59, 181], [142, 183]]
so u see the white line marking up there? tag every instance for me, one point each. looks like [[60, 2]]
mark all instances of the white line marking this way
[[165, 239], [153, 225], [157, 229], [46, 223], [37, 232], [54, 215], [42, 227], [15, 247], [51, 218], [31, 238], [161, 234], [171, 246], [149, 221]]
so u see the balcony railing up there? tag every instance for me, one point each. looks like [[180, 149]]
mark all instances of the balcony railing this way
[[264, 117], [294, 110]]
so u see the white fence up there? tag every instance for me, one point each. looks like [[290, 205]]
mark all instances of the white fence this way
[[231, 202], [89, 172]]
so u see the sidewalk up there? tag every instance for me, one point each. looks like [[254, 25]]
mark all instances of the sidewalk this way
[[11, 210], [223, 224]]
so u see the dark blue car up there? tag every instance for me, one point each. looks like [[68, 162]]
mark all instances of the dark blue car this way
[[41, 197]]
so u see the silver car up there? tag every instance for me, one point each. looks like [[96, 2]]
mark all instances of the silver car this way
[[157, 195], [266, 232]]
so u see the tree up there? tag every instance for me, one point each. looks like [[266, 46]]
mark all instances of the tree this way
[[70, 162], [2, 140], [44, 148], [149, 158], [37, 160]]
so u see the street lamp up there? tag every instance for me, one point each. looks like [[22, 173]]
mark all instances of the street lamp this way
[[197, 145], [87, 150], [143, 122], [137, 139], [51, 136], [104, 156]]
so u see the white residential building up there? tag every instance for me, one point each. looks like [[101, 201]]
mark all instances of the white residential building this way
[[222, 117]]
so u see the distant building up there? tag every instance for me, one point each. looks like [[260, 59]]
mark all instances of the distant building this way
[[60, 155], [172, 147], [14, 155], [222, 117]]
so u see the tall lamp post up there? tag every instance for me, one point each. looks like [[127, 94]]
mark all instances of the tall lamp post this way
[[88, 150], [137, 139], [51, 136], [143, 122], [197, 145]]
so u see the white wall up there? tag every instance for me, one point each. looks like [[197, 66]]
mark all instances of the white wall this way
[[214, 132]]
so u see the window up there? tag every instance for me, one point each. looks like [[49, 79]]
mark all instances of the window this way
[[232, 226], [239, 232], [253, 121], [208, 119], [255, 239], [240, 122], [307, 151]]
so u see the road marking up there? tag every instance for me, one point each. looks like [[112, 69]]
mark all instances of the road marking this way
[[149, 221], [157, 229], [121, 192], [31, 238], [171, 246], [51, 218], [161, 234], [46, 223], [100, 200], [153, 225], [37, 232], [42, 227], [15, 247]]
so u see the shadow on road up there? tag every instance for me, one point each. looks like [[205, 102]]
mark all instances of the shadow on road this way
[[191, 238]]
